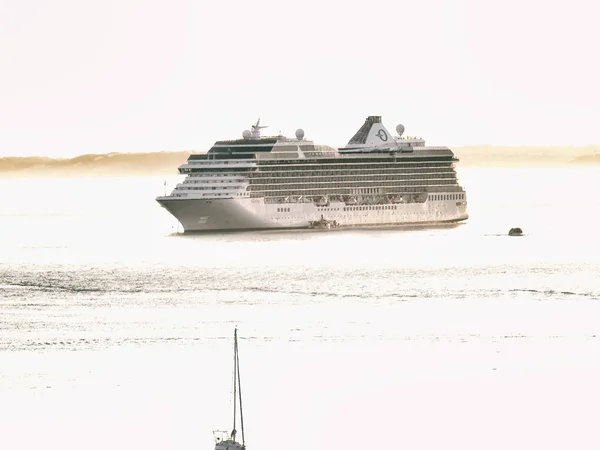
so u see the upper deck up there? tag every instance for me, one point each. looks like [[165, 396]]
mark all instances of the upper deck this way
[[371, 142]]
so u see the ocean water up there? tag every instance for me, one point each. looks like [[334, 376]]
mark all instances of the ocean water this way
[[116, 330]]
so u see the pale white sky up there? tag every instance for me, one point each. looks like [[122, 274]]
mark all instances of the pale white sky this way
[[101, 76]]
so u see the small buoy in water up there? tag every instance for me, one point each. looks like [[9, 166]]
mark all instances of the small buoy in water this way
[[515, 232]]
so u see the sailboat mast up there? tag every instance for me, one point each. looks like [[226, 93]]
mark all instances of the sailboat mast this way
[[240, 390], [235, 381]]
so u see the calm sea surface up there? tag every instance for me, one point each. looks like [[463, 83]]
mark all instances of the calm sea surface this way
[[116, 330]]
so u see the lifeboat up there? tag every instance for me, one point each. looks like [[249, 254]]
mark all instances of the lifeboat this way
[[351, 201], [322, 201]]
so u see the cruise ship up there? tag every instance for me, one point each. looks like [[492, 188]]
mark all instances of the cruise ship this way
[[258, 182]]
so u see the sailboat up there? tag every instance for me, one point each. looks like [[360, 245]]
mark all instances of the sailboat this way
[[223, 439]]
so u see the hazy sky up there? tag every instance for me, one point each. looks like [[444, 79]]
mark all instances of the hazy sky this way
[[87, 76]]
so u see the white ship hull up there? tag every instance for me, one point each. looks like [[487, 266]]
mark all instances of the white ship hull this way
[[254, 213]]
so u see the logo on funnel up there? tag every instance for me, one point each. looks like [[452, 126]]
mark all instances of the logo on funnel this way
[[381, 134]]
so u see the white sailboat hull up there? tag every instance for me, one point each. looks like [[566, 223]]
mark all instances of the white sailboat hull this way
[[229, 445]]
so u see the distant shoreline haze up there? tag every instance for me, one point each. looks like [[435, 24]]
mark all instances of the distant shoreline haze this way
[[167, 162]]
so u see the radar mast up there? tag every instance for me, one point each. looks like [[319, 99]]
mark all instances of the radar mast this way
[[256, 129]]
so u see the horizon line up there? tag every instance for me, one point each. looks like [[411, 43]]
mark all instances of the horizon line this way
[[150, 152]]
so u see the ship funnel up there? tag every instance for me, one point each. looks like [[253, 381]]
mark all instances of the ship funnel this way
[[372, 132]]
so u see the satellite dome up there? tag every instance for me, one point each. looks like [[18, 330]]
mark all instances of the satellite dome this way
[[400, 129], [246, 134], [299, 134]]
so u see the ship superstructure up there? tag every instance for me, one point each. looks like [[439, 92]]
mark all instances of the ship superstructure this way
[[278, 182]]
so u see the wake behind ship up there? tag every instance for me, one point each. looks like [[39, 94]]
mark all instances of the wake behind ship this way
[[278, 182]]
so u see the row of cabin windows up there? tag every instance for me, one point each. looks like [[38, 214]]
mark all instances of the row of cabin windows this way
[[235, 180], [375, 174], [268, 164], [344, 171], [267, 167], [283, 209], [346, 167], [410, 178], [205, 176], [370, 208], [360, 179], [314, 171], [340, 191], [214, 194], [381, 185], [460, 196], [328, 174], [214, 188], [211, 169]]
